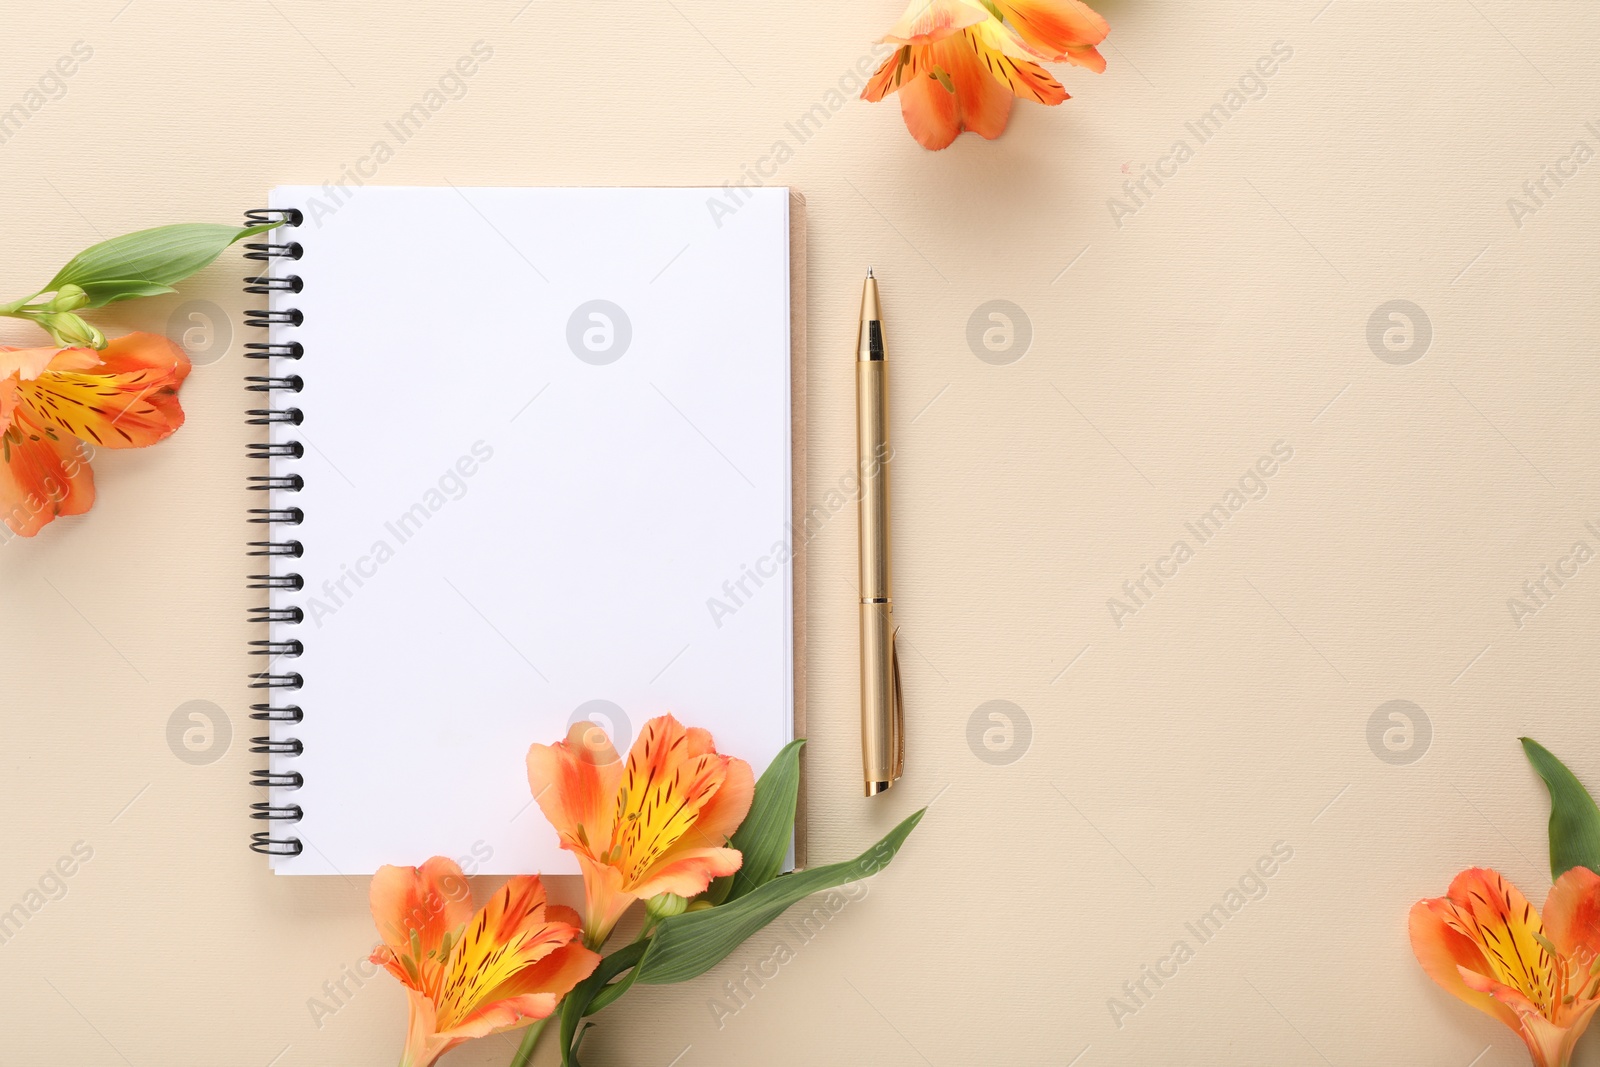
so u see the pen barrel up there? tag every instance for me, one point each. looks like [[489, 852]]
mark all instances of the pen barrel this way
[[873, 455], [880, 743], [880, 747]]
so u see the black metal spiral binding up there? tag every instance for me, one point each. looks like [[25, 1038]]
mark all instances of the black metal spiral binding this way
[[294, 615], [263, 350], [277, 548], [261, 417], [262, 384], [271, 450], [292, 482], [291, 516], [264, 317], [265, 284], [273, 680]]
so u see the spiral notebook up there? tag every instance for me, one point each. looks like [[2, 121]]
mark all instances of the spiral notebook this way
[[532, 456]]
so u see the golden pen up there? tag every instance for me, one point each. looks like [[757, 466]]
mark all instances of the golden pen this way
[[882, 715]]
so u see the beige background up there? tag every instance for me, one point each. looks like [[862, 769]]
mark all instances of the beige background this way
[[1231, 712]]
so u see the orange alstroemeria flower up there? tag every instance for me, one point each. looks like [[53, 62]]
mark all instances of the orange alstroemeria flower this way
[[1485, 943], [960, 62], [55, 402], [660, 824], [469, 975]]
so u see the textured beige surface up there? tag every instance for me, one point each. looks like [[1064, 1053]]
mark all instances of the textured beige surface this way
[[1227, 313]]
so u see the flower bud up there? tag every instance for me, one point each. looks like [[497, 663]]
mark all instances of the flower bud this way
[[68, 329], [68, 298], [665, 906]]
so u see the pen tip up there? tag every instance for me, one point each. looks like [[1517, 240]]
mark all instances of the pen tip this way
[[869, 272]]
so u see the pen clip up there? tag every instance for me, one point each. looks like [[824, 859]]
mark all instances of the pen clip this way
[[897, 716]]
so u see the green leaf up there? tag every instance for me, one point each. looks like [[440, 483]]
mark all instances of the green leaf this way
[[603, 999], [156, 258], [114, 289], [1574, 819], [686, 946], [575, 1005], [766, 833]]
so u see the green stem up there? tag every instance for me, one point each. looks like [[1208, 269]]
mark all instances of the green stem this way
[[530, 1038], [12, 308]]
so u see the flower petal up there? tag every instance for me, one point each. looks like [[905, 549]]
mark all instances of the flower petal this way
[[931, 111], [605, 899], [415, 909], [145, 351], [505, 938], [725, 811], [1549, 1043], [928, 21], [534, 992], [1445, 953], [1572, 914], [423, 1043], [664, 791], [1495, 916], [889, 75], [1510, 996], [506, 1014], [984, 102], [974, 64], [661, 745], [1056, 28], [43, 474], [715, 792], [575, 783], [698, 741], [689, 871], [1555, 1043], [1008, 62], [8, 400], [1087, 58], [128, 401], [74, 359], [29, 363], [665, 814]]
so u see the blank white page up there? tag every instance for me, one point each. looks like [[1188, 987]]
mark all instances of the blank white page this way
[[546, 468]]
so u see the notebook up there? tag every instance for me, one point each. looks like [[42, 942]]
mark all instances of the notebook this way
[[531, 456]]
